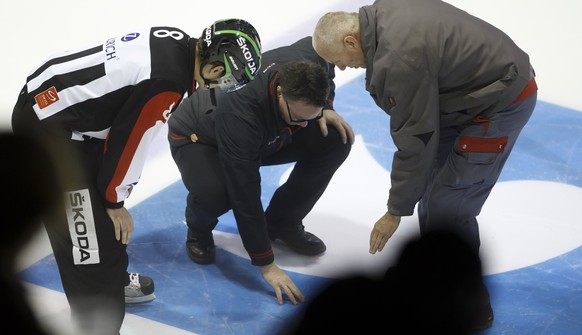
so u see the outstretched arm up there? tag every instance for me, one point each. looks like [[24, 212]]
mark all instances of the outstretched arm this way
[[382, 231]]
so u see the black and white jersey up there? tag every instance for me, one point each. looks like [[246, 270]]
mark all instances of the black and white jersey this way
[[122, 90]]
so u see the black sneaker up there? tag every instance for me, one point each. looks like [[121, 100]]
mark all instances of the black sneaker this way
[[200, 247], [300, 241], [140, 289]]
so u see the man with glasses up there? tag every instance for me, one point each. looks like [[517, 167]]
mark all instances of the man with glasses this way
[[220, 141], [293, 120]]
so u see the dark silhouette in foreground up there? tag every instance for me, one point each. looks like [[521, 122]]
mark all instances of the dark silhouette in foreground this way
[[435, 287], [30, 189]]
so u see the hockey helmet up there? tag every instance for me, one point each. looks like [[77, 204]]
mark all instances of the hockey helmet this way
[[236, 44]]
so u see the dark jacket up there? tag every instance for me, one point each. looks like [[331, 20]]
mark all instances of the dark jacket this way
[[246, 126], [431, 65]]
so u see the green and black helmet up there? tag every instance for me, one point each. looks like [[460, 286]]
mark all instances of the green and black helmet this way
[[236, 44]]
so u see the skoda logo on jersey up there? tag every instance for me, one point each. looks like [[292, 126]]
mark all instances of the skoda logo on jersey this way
[[130, 37]]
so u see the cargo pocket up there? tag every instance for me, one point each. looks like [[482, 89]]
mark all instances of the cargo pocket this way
[[474, 162], [481, 144]]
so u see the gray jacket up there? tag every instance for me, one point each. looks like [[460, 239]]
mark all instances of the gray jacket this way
[[431, 65]]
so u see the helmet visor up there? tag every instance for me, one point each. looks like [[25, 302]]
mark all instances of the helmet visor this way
[[228, 83]]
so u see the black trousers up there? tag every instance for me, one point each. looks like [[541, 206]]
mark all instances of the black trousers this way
[[92, 263], [316, 160]]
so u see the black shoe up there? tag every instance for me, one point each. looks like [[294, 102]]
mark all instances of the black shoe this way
[[300, 241], [200, 247], [484, 320], [484, 312]]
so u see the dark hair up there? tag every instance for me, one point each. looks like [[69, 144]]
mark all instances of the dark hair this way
[[304, 81]]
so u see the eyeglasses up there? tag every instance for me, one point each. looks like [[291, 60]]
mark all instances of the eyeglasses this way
[[291, 119]]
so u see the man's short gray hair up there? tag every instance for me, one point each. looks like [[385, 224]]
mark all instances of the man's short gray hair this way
[[332, 27]]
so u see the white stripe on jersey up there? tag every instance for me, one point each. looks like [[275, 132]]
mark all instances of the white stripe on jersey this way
[[128, 64], [139, 159], [78, 135], [77, 94], [63, 68]]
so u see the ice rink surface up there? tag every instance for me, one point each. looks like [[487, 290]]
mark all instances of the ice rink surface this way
[[531, 227]]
